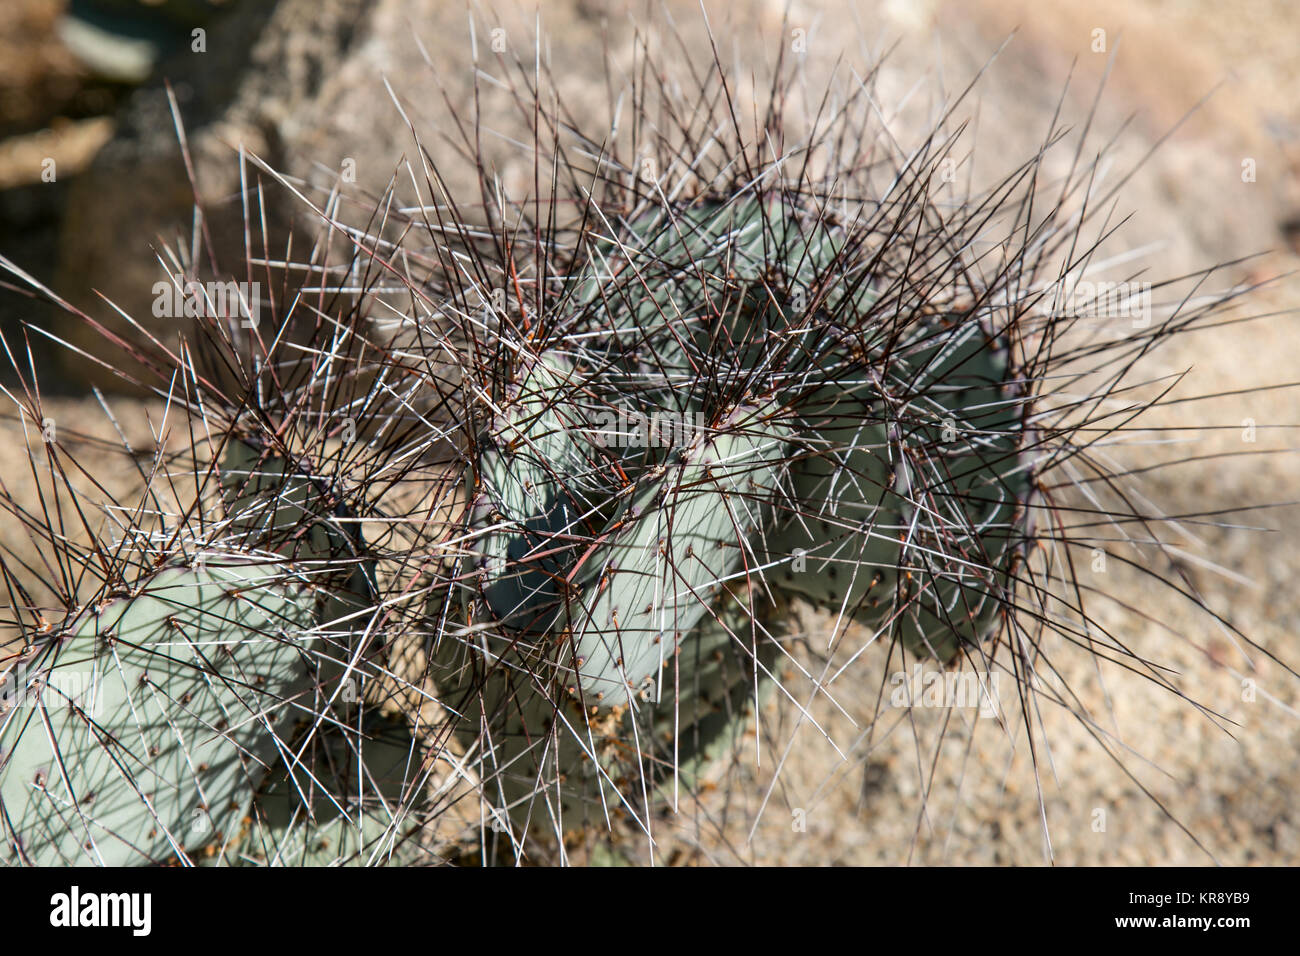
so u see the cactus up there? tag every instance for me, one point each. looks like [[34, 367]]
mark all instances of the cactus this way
[[301, 822], [938, 498], [189, 684], [596, 618], [687, 539], [184, 683], [845, 510], [712, 506], [534, 491]]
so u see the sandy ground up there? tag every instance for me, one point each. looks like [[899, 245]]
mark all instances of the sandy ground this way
[[832, 781]]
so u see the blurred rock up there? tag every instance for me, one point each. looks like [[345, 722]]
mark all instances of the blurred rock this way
[[124, 39]]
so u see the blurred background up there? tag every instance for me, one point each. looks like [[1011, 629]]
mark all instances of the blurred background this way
[[92, 184]]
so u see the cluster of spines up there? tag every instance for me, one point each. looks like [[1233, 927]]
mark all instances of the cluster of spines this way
[[878, 399]]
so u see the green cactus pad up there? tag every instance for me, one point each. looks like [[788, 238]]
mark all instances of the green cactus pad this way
[[272, 508], [925, 552], [531, 496], [684, 542], [708, 295], [552, 763], [348, 803], [158, 754]]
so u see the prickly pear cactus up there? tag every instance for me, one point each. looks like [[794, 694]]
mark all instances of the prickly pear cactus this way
[[572, 611], [140, 729], [911, 517], [684, 542], [300, 821], [536, 492], [135, 734], [813, 494], [678, 549]]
